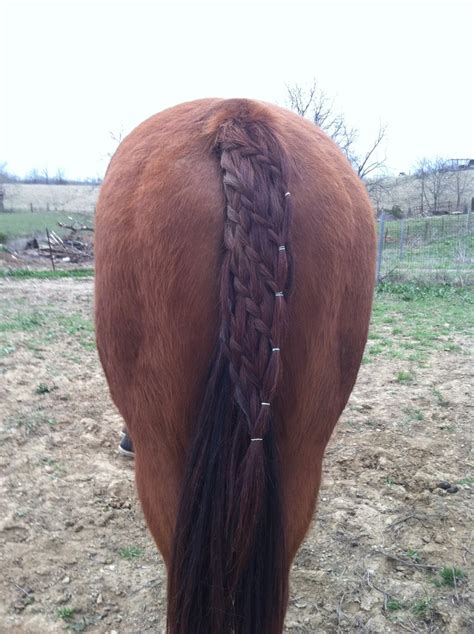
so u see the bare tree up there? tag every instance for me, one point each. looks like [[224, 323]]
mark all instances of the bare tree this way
[[313, 104], [460, 182], [368, 163], [433, 175], [5, 175], [59, 177], [378, 189], [33, 176], [117, 138], [422, 169]]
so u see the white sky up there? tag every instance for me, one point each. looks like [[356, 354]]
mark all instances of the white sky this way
[[72, 71]]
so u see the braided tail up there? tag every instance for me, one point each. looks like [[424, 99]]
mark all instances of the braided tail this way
[[228, 572]]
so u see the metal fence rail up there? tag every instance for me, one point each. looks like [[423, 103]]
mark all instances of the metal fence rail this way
[[437, 249]]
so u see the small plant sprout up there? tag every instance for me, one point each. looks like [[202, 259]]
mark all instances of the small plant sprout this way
[[413, 555], [405, 377], [131, 552], [65, 613], [451, 576]]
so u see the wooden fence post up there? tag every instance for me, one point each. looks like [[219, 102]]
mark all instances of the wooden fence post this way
[[50, 249], [402, 237], [380, 249]]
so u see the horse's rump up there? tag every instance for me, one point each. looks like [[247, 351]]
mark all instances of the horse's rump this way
[[195, 307]]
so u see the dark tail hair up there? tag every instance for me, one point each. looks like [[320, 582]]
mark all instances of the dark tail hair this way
[[228, 570]]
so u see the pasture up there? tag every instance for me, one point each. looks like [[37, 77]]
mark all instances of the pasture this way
[[26, 224], [388, 550], [433, 249]]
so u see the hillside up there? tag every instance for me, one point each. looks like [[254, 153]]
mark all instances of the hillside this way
[[455, 193], [455, 190]]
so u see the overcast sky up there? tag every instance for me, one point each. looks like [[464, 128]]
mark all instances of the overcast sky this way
[[73, 71]]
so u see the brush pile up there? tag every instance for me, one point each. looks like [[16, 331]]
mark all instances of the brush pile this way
[[74, 246]]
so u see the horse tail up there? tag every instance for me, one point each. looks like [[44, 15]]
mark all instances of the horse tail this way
[[228, 572]]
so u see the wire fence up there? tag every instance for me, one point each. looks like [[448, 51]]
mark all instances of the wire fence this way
[[436, 249]]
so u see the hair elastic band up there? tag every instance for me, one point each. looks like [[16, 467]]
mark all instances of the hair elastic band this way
[[287, 194], [282, 248], [279, 294], [275, 349], [265, 404], [255, 439]]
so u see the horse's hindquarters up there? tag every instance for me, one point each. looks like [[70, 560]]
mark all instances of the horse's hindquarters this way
[[159, 253]]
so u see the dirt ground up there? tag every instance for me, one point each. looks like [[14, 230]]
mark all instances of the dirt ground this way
[[388, 551]]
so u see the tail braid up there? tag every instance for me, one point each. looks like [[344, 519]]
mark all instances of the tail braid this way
[[255, 280], [228, 574], [256, 268]]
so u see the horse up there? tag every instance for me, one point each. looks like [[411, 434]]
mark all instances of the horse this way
[[234, 274]]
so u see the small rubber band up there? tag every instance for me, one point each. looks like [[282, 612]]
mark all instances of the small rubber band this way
[[287, 194], [255, 439], [275, 349], [265, 404], [282, 248], [279, 294]]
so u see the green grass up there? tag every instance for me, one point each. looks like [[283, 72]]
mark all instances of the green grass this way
[[420, 232], [432, 228], [451, 576], [43, 324], [405, 377], [410, 322], [131, 552], [416, 291], [24, 223], [48, 274], [394, 604], [440, 248], [442, 402], [413, 555], [422, 608], [75, 324], [413, 414], [43, 388], [6, 351], [468, 480], [29, 424], [65, 613], [22, 321]]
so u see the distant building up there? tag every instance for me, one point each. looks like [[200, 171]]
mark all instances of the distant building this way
[[460, 164]]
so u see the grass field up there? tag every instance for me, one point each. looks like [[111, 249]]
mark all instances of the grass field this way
[[437, 249], [410, 322], [24, 223], [48, 274], [429, 228]]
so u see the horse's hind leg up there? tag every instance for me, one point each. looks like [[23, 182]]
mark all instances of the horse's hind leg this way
[[157, 480]]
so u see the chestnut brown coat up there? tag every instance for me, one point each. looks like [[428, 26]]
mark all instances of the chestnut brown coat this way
[[235, 254]]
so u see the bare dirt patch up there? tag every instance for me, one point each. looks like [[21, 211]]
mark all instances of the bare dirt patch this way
[[75, 551]]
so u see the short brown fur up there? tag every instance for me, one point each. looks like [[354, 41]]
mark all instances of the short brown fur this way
[[160, 312]]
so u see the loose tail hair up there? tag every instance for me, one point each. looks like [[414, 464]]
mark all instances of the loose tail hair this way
[[228, 570]]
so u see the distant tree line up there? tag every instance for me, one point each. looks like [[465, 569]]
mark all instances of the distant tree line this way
[[434, 187], [43, 177], [437, 178]]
